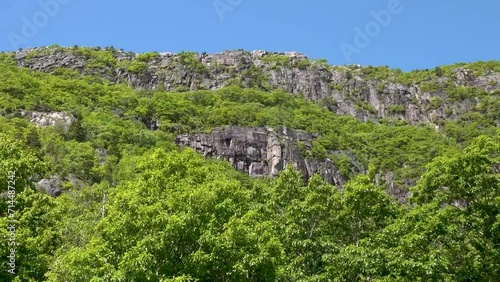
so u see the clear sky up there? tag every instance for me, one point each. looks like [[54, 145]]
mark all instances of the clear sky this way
[[406, 34]]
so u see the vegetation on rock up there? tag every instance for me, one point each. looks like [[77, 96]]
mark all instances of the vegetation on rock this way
[[135, 207]]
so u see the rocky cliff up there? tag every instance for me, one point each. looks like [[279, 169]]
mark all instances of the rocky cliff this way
[[265, 152], [354, 90], [367, 93]]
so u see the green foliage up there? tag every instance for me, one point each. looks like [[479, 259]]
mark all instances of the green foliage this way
[[318, 151], [33, 240], [431, 86], [459, 93], [147, 57], [363, 105], [277, 60], [202, 111], [7, 59], [376, 73], [36, 236], [320, 63], [254, 77], [483, 68], [438, 238], [136, 67], [202, 199], [438, 72], [135, 207], [343, 163], [302, 148], [381, 87], [18, 160], [188, 59], [139, 64], [467, 177], [97, 58], [415, 77], [304, 64], [436, 103], [397, 109]]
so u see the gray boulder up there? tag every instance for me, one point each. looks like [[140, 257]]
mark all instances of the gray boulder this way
[[52, 186]]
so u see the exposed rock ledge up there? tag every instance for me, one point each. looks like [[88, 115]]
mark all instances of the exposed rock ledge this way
[[348, 90], [262, 151]]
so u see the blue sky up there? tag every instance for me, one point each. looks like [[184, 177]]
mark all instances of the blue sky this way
[[406, 34]]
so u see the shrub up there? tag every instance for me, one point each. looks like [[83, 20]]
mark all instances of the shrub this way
[[435, 103], [318, 151], [438, 72], [189, 59], [147, 57], [137, 67], [430, 86], [397, 109], [277, 60], [303, 64]]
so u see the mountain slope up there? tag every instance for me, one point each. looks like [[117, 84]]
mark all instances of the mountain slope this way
[[460, 101], [149, 156], [368, 93]]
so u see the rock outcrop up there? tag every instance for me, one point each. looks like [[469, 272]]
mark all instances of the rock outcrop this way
[[263, 152], [42, 119], [347, 90], [51, 186], [366, 93]]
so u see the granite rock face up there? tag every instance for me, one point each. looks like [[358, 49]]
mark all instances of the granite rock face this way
[[263, 152], [348, 90]]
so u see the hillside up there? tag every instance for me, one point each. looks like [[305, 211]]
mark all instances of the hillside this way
[[246, 166], [368, 93]]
